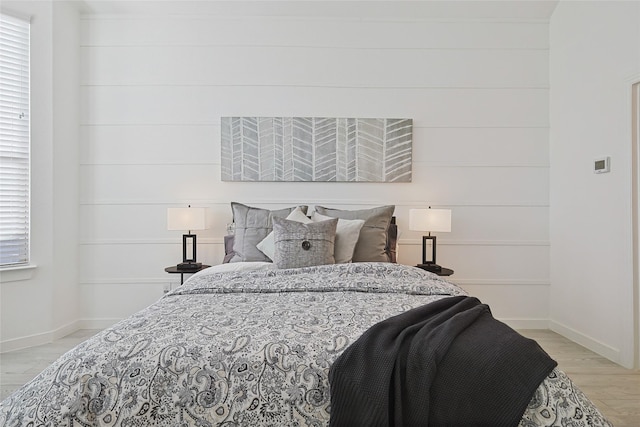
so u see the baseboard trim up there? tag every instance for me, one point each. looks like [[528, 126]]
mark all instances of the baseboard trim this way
[[98, 323], [592, 344], [418, 242], [68, 329], [526, 323], [499, 282], [39, 339]]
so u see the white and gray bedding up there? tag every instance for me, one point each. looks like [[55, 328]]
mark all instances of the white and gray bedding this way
[[245, 344]]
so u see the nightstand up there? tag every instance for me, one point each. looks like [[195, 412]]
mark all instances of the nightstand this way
[[442, 272], [174, 270]]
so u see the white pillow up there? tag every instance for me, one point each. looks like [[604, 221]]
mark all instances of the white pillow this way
[[268, 245], [347, 234]]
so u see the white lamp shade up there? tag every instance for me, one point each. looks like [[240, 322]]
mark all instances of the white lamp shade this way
[[430, 220], [186, 219]]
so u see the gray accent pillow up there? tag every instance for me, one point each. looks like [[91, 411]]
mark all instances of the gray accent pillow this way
[[267, 246], [372, 242], [252, 225], [304, 245]]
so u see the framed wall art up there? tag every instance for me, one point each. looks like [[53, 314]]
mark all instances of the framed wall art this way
[[316, 149]]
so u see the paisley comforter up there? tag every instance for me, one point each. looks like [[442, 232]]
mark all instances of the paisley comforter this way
[[250, 347]]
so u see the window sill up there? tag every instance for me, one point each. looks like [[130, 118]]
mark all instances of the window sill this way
[[14, 274]]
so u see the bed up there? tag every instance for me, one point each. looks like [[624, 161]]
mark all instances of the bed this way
[[247, 343]]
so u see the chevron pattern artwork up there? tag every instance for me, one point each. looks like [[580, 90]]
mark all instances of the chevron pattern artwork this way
[[316, 149]]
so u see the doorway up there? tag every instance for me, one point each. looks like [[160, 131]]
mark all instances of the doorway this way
[[635, 138]]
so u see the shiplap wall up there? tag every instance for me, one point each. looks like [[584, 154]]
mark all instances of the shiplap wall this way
[[154, 87]]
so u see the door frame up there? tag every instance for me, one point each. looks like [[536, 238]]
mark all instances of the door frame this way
[[633, 104]]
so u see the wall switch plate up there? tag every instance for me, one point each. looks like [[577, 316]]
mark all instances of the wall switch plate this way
[[602, 165]]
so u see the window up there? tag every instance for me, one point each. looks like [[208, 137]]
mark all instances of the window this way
[[14, 141]]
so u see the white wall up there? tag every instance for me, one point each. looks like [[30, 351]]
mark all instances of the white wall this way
[[154, 85], [66, 153], [45, 306], [595, 50]]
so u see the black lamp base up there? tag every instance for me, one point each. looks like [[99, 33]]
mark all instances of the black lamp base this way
[[186, 266], [433, 252], [434, 268], [189, 262]]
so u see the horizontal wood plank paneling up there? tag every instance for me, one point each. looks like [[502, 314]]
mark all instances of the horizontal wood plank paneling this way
[[388, 11], [105, 262], [488, 262], [155, 86], [472, 263], [473, 185], [98, 297], [109, 222], [197, 105], [324, 67], [148, 145], [184, 144], [519, 306], [338, 33], [481, 146], [485, 223]]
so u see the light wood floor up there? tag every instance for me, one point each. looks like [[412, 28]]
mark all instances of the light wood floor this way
[[614, 390]]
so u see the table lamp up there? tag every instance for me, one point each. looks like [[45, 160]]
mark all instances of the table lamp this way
[[187, 219], [430, 220]]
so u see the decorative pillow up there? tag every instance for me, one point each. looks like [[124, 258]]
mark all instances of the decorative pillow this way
[[252, 225], [347, 234], [372, 243], [392, 240], [228, 248], [304, 245], [268, 246]]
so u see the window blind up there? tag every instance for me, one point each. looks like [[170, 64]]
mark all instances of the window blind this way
[[14, 140]]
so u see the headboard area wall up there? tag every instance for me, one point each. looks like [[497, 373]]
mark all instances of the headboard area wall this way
[[155, 87]]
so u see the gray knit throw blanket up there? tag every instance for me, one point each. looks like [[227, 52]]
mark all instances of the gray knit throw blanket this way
[[448, 363]]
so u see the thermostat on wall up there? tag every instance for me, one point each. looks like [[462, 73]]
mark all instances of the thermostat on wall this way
[[602, 165]]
